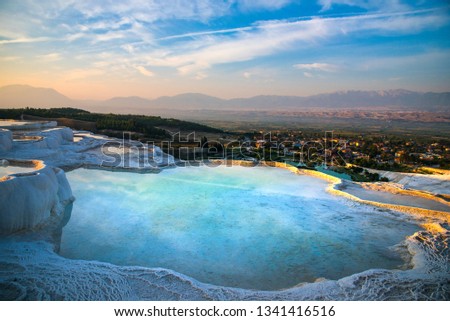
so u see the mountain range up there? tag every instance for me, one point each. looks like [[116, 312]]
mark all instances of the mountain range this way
[[22, 96]]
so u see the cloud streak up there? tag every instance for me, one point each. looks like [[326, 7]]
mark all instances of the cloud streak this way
[[386, 5], [54, 56], [275, 36], [79, 74], [317, 66], [23, 40], [249, 5], [144, 71]]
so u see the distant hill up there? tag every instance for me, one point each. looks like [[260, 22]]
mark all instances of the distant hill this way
[[353, 99], [120, 102], [23, 96], [189, 101]]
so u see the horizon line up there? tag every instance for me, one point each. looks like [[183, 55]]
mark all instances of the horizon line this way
[[228, 99]]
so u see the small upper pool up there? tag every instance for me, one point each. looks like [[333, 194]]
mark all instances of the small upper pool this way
[[255, 228], [9, 170]]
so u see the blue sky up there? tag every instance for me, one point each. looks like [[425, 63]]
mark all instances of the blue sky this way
[[235, 48]]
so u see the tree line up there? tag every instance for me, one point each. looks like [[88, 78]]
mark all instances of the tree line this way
[[146, 125]]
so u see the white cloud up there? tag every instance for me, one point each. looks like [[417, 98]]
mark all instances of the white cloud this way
[[317, 66], [151, 11], [109, 36], [187, 69], [23, 40], [54, 56], [260, 74], [110, 24], [128, 48], [145, 71], [206, 33], [193, 53], [308, 74], [101, 64], [77, 74], [10, 58], [23, 21], [244, 46], [248, 5], [200, 75], [276, 36], [75, 36], [385, 5]]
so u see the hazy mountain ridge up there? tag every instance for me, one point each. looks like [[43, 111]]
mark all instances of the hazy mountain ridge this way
[[23, 96]]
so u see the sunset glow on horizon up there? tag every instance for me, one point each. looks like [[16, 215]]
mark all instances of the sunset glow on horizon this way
[[235, 48]]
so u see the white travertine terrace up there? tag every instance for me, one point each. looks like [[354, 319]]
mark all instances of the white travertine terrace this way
[[31, 199], [6, 140], [46, 139], [31, 270], [57, 136]]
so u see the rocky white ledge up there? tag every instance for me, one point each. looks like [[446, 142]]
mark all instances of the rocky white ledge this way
[[67, 149], [32, 199]]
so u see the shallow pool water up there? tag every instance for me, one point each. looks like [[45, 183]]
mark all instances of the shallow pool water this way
[[255, 228]]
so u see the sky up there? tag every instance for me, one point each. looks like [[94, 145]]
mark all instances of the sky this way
[[231, 48]]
